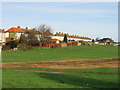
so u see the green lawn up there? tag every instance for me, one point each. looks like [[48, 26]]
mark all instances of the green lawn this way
[[63, 53], [71, 78], [91, 71]]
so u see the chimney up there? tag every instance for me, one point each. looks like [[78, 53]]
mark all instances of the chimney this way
[[18, 26], [26, 27]]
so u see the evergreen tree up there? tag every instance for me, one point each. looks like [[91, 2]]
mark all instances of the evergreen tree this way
[[93, 40], [65, 38]]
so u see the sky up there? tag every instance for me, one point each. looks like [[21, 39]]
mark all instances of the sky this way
[[89, 19]]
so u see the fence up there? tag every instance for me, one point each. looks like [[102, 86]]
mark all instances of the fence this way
[[51, 45]]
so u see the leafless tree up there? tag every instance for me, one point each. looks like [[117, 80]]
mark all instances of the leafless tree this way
[[44, 33]]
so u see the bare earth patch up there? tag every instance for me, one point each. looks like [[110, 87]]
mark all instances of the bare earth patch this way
[[66, 64]]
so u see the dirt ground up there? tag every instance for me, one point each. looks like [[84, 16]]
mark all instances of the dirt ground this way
[[67, 64]]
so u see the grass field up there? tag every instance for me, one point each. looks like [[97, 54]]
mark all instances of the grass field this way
[[27, 77], [64, 53], [70, 78]]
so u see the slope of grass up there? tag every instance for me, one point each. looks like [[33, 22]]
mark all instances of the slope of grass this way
[[26, 79], [22, 79], [64, 53], [92, 81]]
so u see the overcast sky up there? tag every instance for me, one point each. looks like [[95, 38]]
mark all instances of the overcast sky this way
[[93, 20]]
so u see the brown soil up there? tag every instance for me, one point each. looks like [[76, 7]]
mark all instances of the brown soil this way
[[67, 64]]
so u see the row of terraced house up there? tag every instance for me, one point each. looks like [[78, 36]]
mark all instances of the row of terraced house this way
[[5, 35]]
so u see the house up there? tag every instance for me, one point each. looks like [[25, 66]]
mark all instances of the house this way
[[60, 36], [3, 36], [56, 38], [106, 41], [12, 33]]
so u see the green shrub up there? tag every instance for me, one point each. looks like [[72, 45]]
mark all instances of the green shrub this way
[[30, 40], [12, 44], [23, 47], [5, 47]]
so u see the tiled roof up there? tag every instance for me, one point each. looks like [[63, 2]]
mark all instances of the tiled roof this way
[[48, 33], [14, 30], [25, 30], [71, 36]]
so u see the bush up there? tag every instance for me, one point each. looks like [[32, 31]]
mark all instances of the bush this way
[[29, 38], [12, 44], [23, 47], [5, 47]]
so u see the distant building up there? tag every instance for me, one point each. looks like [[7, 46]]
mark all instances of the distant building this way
[[57, 37], [3, 36], [106, 41]]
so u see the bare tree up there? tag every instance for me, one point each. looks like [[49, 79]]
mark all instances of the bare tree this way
[[44, 33], [97, 39]]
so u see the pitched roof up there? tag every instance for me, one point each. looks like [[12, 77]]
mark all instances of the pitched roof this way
[[14, 30], [25, 30], [71, 36]]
